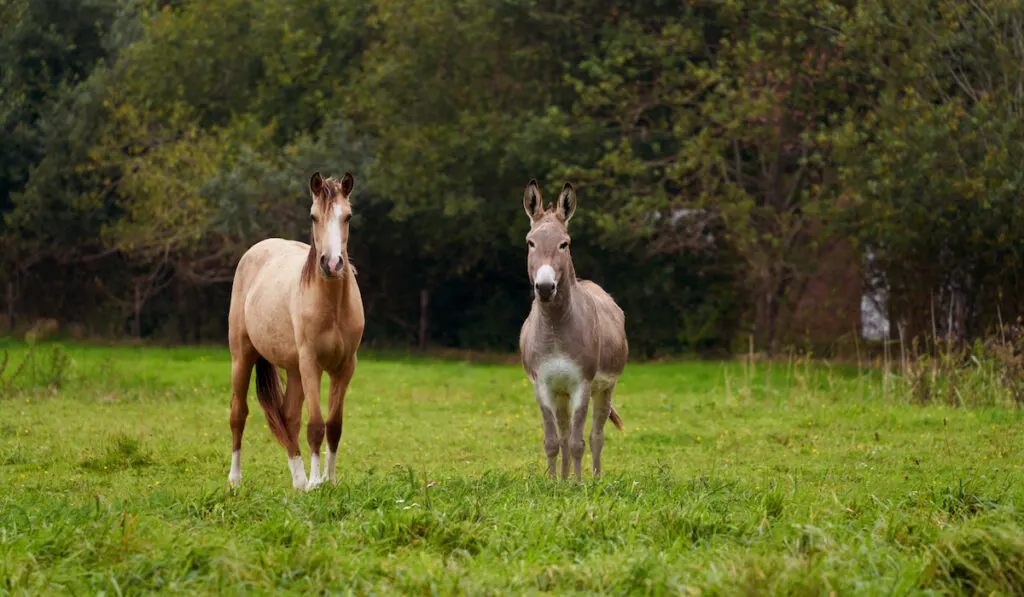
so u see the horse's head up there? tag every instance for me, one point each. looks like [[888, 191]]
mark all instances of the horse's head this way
[[549, 262], [330, 215]]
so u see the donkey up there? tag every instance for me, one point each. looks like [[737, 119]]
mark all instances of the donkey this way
[[573, 342], [298, 307]]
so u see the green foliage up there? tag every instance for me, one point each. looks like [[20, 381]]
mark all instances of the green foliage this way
[[934, 169], [718, 115], [722, 151]]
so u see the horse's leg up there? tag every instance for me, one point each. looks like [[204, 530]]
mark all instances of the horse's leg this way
[[602, 408], [550, 427], [292, 415], [562, 419], [336, 413], [242, 361], [315, 427], [580, 403]]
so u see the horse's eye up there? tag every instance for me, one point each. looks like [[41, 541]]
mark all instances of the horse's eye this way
[[348, 218], [564, 245], [530, 244], [314, 218]]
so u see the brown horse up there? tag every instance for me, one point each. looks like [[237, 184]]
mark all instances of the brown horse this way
[[573, 343], [297, 306]]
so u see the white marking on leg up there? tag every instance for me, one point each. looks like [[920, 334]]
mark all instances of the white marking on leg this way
[[298, 472], [331, 461], [315, 478], [577, 399], [547, 397], [235, 476]]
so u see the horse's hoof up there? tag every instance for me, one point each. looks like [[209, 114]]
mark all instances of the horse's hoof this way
[[234, 480], [314, 483]]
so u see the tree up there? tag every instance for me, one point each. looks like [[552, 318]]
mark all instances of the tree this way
[[715, 115], [934, 169]]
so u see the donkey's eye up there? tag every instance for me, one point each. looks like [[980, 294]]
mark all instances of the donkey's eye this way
[[530, 244], [564, 245]]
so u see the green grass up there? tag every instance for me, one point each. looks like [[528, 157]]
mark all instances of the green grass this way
[[729, 480]]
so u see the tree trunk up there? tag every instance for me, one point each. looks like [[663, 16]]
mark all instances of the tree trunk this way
[[137, 321], [197, 325], [183, 314], [424, 318], [10, 306], [773, 309]]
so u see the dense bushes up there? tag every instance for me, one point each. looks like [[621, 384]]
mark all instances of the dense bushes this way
[[722, 151]]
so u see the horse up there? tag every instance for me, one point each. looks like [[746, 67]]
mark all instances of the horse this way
[[573, 343], [297, 307]]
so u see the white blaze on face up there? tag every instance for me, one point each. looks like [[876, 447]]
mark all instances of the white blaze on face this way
[[334, 240], [545, 275]]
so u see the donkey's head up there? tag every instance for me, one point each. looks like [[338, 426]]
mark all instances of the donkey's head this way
[[330, 215], [549, 262]]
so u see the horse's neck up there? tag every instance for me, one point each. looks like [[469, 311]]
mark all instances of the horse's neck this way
[[331, 296]]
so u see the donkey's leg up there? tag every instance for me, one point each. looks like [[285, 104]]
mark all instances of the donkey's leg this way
[[336, 412], [602, 408], [315, 427], [291, 412], [242, 362], [550, 428], [563, 418], [580, 403]]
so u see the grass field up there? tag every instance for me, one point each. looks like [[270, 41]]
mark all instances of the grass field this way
[[729, 480]]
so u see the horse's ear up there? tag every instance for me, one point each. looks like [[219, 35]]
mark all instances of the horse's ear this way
[[316, 184], [532, 201], [566, 205], [347, 182]]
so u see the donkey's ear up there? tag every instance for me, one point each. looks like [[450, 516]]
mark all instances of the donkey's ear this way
[[347, 182], [566, 205], [316, 184], [531, 200]]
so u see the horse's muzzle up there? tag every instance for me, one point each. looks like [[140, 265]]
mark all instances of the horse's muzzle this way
[[331, 268]]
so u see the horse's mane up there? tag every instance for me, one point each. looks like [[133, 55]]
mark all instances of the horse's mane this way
[[309, 268]]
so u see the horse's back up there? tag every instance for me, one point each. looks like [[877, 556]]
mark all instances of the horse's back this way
[[265, 278], [611, 326], [275, 256]]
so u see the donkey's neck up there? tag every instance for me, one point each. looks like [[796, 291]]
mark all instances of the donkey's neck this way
[[562, 308]]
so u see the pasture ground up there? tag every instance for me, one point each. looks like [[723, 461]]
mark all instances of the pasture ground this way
[[729, 480]]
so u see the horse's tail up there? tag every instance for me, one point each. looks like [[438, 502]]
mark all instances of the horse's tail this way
[[271, 397], [615, 418]]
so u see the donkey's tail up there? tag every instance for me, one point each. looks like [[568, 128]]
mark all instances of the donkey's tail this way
[[615, 418], [271, 397]]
